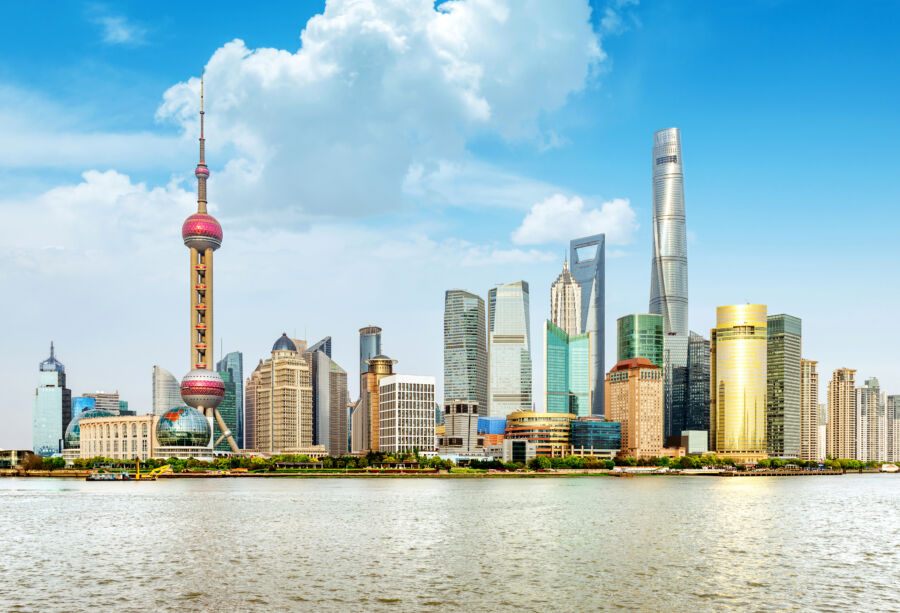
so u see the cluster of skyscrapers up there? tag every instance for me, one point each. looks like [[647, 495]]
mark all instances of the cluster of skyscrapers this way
[[745, 392]]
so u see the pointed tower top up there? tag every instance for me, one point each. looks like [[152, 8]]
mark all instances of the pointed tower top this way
[[51, 350]]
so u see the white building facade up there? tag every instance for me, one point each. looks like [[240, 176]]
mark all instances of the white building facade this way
[[406, 413]]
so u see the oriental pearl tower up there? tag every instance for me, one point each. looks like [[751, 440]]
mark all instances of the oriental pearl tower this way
[[202, 388]]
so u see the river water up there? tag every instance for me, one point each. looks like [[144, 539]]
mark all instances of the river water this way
[[557, 544]]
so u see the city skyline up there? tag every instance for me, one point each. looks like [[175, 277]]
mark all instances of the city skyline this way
[[134, 193]]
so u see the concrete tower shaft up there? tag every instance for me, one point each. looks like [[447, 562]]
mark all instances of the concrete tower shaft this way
[[669, 274]]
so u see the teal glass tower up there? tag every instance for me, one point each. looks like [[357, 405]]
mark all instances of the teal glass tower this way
[[567, 371], [52, 408], [783, 379], [233, 364], [640, 336]]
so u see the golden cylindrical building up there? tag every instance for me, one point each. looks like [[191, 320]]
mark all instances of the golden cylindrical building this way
[[738, 349]]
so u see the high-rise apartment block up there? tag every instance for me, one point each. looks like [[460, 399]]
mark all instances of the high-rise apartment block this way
[[872, 425], [634, 398], [738, 350], [587, 257], [284, 405], [233, 364], [465, 349], [809, 411], [567, 371], [509, 349], [52, 407], [783, 414], [892, 412], [841, 438], [406, 413], [640, 336]]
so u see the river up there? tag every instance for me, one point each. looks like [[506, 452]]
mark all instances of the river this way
[[552, 544]]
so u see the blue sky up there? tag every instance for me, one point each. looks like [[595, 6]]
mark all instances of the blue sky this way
[[398, 151]]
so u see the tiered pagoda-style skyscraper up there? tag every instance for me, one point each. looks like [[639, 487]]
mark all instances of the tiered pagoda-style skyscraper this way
[[202, 388]]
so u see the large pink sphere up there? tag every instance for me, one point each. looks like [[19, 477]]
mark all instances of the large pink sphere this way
[[201, 232], [202, 388]]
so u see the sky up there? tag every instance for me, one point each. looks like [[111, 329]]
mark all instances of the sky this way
[[367, 156]]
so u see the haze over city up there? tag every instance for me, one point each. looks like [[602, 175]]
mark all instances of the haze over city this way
[[399, 150]]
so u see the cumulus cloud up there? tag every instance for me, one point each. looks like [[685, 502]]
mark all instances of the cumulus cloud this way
[[377, 90], [560, 218]]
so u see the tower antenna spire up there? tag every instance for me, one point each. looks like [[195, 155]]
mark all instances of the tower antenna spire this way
[[202, 172]]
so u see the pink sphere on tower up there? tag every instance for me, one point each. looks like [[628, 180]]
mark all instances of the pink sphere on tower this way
[[201, 231], [202, 388]]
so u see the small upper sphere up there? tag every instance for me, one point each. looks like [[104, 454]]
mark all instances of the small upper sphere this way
[[201, 232], [202, 171], [202, 388]]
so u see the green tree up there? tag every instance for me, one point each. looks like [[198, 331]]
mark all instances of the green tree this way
[[539, 463]]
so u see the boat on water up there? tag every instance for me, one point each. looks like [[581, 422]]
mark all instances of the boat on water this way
[[889, 468], [127, 476], [123, 476]]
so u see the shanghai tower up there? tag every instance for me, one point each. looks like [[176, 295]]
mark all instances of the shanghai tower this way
[[669, 274]]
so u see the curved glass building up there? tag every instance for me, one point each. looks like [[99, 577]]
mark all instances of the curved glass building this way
[[183, 427], [72, 438]]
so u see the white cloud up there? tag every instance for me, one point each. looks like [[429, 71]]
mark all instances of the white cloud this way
[[560, 218], [117, 30], [378, 90]]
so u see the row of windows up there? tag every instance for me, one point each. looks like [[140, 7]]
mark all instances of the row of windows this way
[[666, 159]]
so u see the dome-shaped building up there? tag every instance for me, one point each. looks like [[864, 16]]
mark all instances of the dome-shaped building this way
[[201, 231], [183, 427], [72, 438], [284, 344]]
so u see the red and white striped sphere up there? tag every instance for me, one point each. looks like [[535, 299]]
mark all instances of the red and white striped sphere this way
[[202, 388]]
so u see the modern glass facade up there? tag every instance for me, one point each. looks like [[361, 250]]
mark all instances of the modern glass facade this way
[[783, 387], [595, 433], [80, 404], [567, 364], [233, 363], [369, 346], [228, 411], [491, 425], [509, 352], [52, 407], [465, 349], [549, 431], [166, 391], [183, 427], [739, 344], [329, 383], [640, 336], [696, 416], [73, 430], [588, 261]]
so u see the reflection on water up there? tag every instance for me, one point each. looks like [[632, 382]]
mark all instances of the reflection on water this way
[[648, 543]]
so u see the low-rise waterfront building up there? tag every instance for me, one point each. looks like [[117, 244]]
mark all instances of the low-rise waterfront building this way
[[460, 429], [548, 431], [120, 437], [594, 436]]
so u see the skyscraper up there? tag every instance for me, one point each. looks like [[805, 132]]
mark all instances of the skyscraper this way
[[668, 271], [696, 414], [738, 376], [809, 410], [634, 392], [368, 408], [565, 302], [640, 336], [369, 346], [588, 260], [250, 408], [892, 410], [52, 408], [284, 403], [233, 363], [567, 371], [202, 388], [841, 437], [783, 414], [465, 349], [870, 408], [228, 410], [509, 351], [166, 391], [329, 382]]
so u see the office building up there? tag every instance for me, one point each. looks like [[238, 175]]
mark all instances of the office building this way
[[634, 392], [406, 413], [872, 428], [640, 336], [369, 346], [228, 410], [809, 411], [80, 404], [565, 302], [250, 386], [460, 428], [366, 413], [329, 383], [105, 401], [696, 414], [52, 408], [567, 371], [166, 391], [738, 351], [783, 414], [465, 349], [509, 349], [587, 256], [594, 436], [548, 431], [284, 400], [233, 363], [841, 437]]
